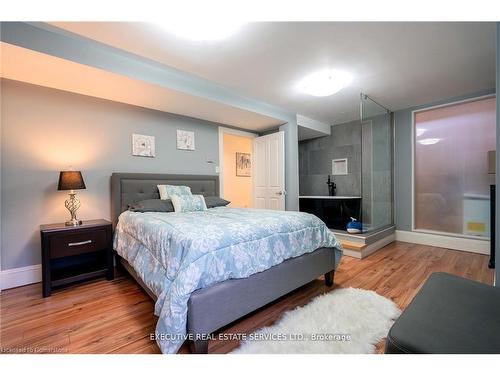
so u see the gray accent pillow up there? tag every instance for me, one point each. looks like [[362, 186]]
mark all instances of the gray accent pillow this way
[[215, 202], [152, 205]]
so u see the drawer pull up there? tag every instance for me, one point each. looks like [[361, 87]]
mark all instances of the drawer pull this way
[[79, 243]]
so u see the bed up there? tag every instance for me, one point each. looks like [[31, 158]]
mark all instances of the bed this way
[[244, 274]]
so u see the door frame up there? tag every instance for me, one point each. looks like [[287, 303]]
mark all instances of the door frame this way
[[283, 175], [225, 130]]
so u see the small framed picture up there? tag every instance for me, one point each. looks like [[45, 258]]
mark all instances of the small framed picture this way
[[185, 140], [243, 164], [143, 145]]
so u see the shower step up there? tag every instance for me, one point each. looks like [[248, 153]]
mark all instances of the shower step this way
[[363, 244], [354, 246]]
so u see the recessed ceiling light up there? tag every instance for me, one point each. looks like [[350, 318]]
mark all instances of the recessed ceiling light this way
[[429, 141], [202, 30], [324, 83]]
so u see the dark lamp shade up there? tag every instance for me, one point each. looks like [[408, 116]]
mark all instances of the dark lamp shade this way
[[70, 180]]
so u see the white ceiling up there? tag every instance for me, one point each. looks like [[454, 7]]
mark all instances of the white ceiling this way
[[33, 67], [398, 64]]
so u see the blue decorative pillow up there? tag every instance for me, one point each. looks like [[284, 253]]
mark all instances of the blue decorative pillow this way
[[166, 191], [188, 203]]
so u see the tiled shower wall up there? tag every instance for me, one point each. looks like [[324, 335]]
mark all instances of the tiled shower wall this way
[[368, 151], [315, 161]]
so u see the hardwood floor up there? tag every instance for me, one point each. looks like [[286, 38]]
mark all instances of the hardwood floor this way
[[117, 316]]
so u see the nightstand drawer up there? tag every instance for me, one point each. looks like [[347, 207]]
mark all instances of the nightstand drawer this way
[[69, 244]]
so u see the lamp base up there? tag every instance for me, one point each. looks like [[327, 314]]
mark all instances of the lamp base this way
[[73, 223], [72, 204]]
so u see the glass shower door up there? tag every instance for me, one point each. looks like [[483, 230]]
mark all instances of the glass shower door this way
[[376, 164]]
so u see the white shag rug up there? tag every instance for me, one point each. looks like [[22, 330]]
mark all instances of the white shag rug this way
[[345, 321]]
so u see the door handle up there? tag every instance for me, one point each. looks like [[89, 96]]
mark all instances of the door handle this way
[[79, 243], [281, 192]]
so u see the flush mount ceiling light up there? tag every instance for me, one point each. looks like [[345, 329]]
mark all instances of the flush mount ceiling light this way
[[202, 29], [324, 83], [429, 141]]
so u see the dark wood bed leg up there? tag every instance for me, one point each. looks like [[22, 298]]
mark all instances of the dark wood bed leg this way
[[118, 264], [199, 346], [329, 278]]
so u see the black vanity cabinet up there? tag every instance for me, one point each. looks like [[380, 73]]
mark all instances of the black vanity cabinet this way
[[335, 211]]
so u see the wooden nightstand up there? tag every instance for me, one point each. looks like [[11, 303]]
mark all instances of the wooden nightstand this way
[[73, 254]]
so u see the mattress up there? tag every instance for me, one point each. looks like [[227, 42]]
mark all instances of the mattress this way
[[176, 254]]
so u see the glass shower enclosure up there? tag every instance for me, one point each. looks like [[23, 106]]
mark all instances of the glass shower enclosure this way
[[363, 183], [376, 165]]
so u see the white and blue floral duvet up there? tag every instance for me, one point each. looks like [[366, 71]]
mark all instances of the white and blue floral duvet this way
[[178, 253]]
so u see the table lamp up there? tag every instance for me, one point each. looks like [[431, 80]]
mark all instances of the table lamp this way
[[71, 180]]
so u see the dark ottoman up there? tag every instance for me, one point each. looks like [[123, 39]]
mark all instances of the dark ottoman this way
[[449, 315]]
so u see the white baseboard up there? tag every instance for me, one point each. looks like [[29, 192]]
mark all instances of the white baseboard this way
[[20, 276], [448, 242]]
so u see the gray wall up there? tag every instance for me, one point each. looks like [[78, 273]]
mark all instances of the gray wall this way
[[1, 96], [497, 164], [45, 130], [315, 161], [47, 39], [403, 159], [291, 165]]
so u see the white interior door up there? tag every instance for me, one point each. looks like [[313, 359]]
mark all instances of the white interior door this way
[[269, 171]]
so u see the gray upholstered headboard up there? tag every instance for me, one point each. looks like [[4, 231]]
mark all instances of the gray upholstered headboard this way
[[127, 188]]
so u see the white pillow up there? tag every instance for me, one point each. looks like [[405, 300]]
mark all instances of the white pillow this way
[[167, 190], [188, 203]]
